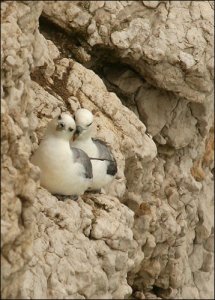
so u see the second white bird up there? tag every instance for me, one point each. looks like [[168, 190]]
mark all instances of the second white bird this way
[[103, 163]]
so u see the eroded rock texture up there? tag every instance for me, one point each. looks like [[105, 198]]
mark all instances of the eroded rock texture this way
[[145, 69]]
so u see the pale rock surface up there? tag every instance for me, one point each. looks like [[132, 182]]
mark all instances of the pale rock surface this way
[[21, 51], [152, 231], [174, 123], [163, 40], [75, 253]]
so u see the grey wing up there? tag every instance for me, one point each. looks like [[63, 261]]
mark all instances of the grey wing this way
[[81, 157], [105, 153]]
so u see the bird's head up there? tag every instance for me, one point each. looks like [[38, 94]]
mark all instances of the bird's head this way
[[84, 124], [62, 126]]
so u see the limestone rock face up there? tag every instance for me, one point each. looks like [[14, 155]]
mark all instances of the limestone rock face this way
[[76, 254], [163, 40], [21, 51], [145, 70]]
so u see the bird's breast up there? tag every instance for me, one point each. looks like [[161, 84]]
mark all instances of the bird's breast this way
[[55, 153]]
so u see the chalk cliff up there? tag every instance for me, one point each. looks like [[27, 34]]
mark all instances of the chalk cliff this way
[[145, 69]]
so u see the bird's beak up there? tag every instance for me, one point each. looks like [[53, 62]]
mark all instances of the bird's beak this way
[[78, 131], [75, 135]]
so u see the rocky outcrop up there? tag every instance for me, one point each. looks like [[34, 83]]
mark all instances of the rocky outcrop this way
[[151, 233], [168, 43], [76, 255], [20, 52]]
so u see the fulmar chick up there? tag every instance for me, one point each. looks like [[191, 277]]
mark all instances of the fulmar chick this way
[[65, 170]]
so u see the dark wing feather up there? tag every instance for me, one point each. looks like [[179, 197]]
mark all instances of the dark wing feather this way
[[105, 154], [112, 168], [81, 157]]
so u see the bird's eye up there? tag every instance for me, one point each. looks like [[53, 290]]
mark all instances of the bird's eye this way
[[70, 129], [89, 124], [59, 117]]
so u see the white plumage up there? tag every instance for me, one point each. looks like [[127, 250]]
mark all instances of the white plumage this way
[[103, 163], [64, 170]]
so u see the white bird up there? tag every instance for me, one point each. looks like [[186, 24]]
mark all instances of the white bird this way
[[103, 163], [64, 170]]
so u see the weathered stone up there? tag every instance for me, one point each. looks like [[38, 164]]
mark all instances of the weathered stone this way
[[152, 229]]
